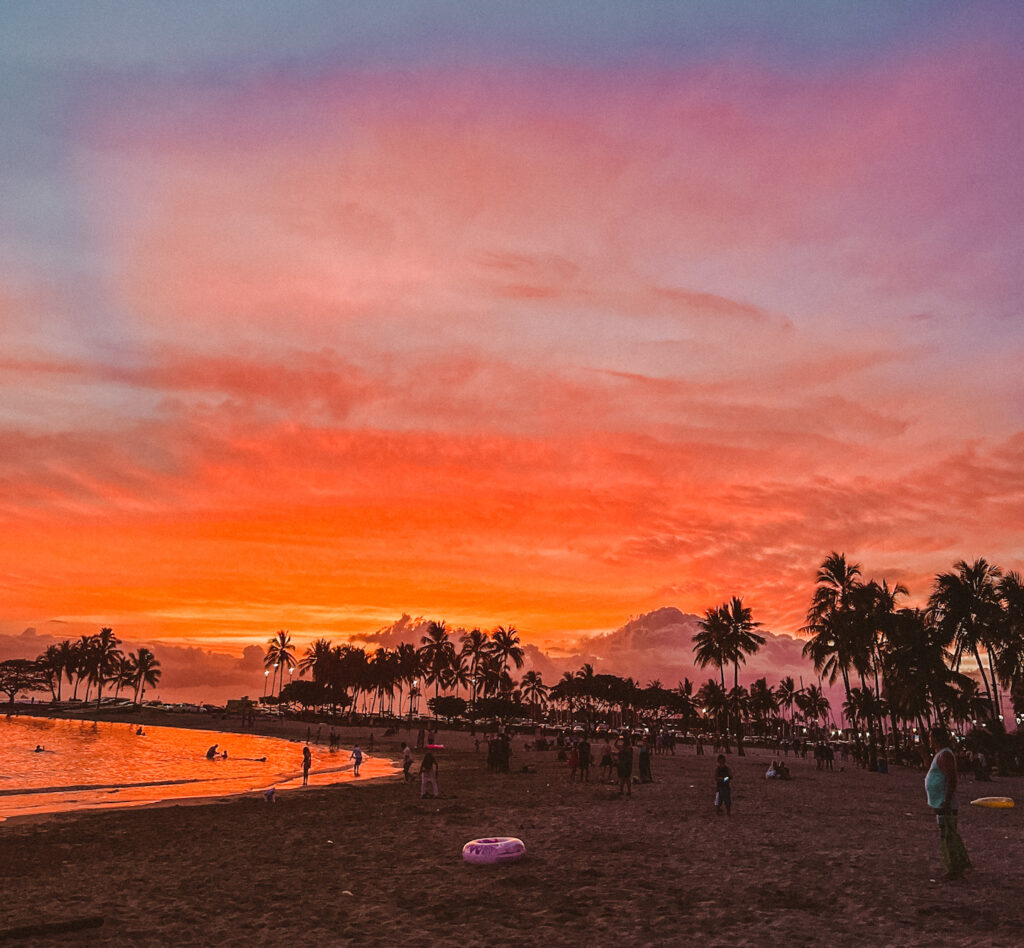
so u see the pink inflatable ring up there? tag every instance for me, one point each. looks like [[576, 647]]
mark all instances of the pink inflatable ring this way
[[483, 852]]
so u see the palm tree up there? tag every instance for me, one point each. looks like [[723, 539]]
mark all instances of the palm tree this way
[[1011, 659], [967, 608], [685, 705], [436, 653], [711, 643], [457, 674], [763, 703], [146, 672], [786, 695], [83, 661], [835, 644], [475, 646], [740, 640], [105, 656], [407, 660], [280, 655], [534, 691], [565, 691], [317, 659], [587, 688], [714, 701], [122, 674], [506, 646], [814, 705]]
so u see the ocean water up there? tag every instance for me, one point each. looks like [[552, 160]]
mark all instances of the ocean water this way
[[92, 765]]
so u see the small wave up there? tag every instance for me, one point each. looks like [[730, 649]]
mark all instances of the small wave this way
[[76, 788]]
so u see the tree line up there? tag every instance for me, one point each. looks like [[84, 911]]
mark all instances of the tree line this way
[[902, 668], [96, 661]]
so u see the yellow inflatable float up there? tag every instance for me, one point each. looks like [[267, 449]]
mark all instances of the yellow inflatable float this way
[[997, 802]]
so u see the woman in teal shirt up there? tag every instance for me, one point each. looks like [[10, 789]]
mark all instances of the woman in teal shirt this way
[[940, 785]]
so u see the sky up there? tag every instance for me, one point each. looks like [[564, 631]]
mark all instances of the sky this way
[[315, 315]]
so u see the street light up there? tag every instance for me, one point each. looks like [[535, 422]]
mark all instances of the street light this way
[[266, 681]]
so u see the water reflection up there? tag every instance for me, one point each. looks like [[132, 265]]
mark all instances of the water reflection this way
[[87, 764]]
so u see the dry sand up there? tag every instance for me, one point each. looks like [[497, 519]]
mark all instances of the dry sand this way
[[844, 858]]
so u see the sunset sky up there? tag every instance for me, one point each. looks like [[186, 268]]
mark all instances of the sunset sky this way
[[314, 314]]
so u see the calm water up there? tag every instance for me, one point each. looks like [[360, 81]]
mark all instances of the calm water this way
[[88, 765]]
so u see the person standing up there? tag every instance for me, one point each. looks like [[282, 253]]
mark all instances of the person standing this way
[[584, 751], [406, 761], [307, 761], [940, 784], [723, 787], [625, 766], [644, 761], [428, 775], [357, 758], [606, 761]]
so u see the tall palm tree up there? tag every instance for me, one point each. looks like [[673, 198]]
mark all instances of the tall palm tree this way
[[407, 661], [741, 640], [122, 674], [52, 670], [786, 694], [565, 691], [714, 701], [66, 660], [280, 655], [1011, 659], [710, 645], [457, 674], [534, 691], [83, 662], [763, 703], [317, 660], [685, 704], [105, 655], [814, 705], [836, 642], [436, 653], [587, 688], [506, 646], [967, 608], [476, 645], [146, 672]]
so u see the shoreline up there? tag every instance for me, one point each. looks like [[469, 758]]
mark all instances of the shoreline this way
[[288, 731]]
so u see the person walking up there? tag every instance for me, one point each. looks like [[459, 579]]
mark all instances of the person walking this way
[[406, 761], [307, 761], [357, 758], [940, 784]]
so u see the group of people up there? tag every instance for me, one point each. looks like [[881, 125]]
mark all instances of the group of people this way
[[428, 771]]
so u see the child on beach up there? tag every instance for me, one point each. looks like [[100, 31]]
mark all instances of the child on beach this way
[[307, 761], [406, 761], [357, 757], [574, 762], [723, 787]]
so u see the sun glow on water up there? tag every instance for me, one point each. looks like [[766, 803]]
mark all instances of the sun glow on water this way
[[93, 765]]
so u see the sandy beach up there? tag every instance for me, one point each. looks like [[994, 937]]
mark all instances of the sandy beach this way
[[829, 858]]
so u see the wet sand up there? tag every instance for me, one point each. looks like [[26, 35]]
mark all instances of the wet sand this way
[[846, 858]]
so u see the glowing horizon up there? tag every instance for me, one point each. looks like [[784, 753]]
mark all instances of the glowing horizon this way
[[312, 324]]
